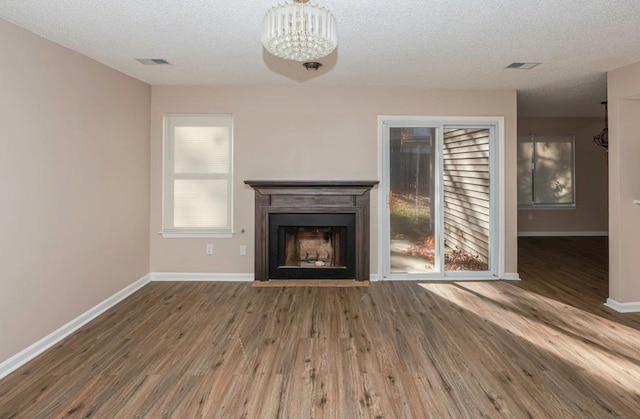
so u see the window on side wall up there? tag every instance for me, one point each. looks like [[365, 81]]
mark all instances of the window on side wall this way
[[197, 176], [546, 172]]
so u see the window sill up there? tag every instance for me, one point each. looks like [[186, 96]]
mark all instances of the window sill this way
[[195, 235]]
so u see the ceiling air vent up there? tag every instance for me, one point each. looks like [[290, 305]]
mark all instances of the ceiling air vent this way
[[153, 61], [522, 66]]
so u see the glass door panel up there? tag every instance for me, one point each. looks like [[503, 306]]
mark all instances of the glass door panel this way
[[466, 199], [412, 200]]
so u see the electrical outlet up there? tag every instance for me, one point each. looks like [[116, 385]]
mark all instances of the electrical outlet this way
[[243, 250], [529, 216], [209, 249]]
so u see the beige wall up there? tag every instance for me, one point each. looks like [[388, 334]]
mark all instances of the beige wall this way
[[73, 185], [305, 133], [623, 86], [591, 212]]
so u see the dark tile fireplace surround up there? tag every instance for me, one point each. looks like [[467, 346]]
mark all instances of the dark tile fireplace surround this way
[[311, 229]]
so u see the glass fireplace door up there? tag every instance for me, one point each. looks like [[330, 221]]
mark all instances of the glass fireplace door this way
[[311, 245]]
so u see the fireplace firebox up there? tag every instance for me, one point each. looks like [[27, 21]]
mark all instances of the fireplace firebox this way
[[311, 246], [311, 229]]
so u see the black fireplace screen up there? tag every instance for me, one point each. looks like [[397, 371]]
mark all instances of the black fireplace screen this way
[[311, 246]]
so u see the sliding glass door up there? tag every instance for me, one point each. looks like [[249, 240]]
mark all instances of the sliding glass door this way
[[438, 206], [411, 199], [466, 181]]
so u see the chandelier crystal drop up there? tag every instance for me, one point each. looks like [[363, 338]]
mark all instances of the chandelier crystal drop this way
[[299, 31]]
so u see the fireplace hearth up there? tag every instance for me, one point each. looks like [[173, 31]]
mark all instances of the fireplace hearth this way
[[312, 229]]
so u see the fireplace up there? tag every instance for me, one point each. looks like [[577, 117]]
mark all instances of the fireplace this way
[[311, 246], [312, 229]]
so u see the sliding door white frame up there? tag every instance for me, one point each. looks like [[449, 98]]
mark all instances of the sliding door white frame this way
[[497, 191]]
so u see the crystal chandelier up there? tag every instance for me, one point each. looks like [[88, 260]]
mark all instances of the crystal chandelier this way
[[602, 139], [299, 31]]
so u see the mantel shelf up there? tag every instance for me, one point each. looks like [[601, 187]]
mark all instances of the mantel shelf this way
[[311, 183]]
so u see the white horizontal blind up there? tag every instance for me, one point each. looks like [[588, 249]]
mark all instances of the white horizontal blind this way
[[546, 173], [197, 195]]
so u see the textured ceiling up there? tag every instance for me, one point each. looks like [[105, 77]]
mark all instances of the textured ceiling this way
[[420, 43]]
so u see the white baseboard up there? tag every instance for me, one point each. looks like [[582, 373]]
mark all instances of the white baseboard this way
[[24, 356], [562, 233], [511, 276], [633, 307], [214, 277], [193, 276]]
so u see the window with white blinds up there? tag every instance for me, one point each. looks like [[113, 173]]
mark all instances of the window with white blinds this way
[[198, 169], [546, 174]]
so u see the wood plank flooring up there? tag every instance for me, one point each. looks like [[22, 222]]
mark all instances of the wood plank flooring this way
[[545, 347]]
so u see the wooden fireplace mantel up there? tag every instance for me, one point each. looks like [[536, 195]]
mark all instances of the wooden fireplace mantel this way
[[296, 196]]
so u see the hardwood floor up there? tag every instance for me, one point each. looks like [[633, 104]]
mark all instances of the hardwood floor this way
[[544, 347]]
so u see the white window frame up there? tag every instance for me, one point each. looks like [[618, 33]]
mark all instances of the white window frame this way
[[168, 177], [533, 139]]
